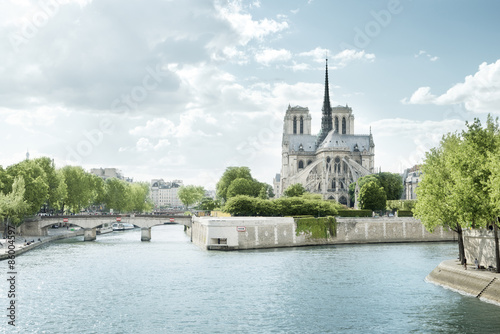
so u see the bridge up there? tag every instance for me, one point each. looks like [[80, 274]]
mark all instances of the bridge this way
[[89, 223]]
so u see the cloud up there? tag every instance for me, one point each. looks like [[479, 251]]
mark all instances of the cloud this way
[[338, 60], [424, 53], [479, 93], [267, 56]]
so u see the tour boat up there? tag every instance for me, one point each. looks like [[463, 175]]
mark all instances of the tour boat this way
[[105, 228], [122, 226]]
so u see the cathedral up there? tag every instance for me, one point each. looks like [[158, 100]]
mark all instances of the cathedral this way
[[328, 162]]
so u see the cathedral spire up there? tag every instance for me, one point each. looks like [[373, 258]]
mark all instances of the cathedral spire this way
[[326, 119]]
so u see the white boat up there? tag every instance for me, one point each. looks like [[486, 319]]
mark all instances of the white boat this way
[[105, 228], [122, 226]]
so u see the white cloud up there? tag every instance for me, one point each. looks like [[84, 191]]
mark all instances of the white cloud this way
[[338, 60], [426, 54], [267, 56], [244, 25], [479, 92]]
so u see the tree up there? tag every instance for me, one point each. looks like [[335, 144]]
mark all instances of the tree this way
[[117, 194], [36, 187], [295, 190], [52, 179], [139, 197], [79, 188], [241, 186], [392, 184], [454, 190], [372, 196], [208, 204], [13, 206], [190, 194], [361, 181], [231, 174]]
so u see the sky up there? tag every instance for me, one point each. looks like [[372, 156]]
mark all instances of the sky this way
[[183, 89]]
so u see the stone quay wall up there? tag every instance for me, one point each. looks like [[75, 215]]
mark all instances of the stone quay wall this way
[[480, 244], [233, 233], [481, 284]]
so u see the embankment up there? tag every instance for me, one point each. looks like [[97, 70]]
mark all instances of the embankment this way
[[481, 284], [20, 249]]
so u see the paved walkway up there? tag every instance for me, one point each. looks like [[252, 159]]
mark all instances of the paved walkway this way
[[21, 241]]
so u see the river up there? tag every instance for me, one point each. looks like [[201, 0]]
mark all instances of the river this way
[[119, 284]]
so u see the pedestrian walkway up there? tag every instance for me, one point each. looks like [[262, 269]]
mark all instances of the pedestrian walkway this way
[[24, 243]]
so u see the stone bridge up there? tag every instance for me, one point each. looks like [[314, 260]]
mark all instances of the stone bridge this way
[[89, 223]]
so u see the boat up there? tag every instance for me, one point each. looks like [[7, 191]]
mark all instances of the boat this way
[[105, 228], [122, 226]]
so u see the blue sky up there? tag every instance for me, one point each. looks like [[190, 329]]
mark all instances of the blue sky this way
[[184, 89]]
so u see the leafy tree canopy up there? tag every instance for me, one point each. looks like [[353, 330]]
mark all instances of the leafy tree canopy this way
[[295, 190], [190, 194], [372, 196]]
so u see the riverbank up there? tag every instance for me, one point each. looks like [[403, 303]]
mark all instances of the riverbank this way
[[481, 283], [21, 247]]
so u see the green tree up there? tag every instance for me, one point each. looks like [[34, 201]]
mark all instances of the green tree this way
[[79, 188], [295, 190], [190, 194], [139, 197], [209, 204], [35, 181], [118, 195], [392, 184], [241, 186], [454, 190], [361, 181], [51, 178], [494, 188], [13, 206], [372, 196], [231, 174]]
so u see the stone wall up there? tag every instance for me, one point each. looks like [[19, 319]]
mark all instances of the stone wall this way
[[482, 284], [480, 244], [269, 232]]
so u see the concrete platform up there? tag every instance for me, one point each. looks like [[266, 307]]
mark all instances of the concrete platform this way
[[482, 284]]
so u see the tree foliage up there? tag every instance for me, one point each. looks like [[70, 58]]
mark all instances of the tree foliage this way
[[13, 206], [190, 194], [457, 185], [231, 174], [295, 190], [243, 205], [372, 196]]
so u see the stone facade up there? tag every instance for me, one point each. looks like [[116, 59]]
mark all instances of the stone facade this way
[[328, 162], [233, 233], [164, 194]]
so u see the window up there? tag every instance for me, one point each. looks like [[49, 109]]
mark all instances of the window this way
[[337, 165], [343, 126], [301, 125], [336, 124], [301, 164], [295, 125]]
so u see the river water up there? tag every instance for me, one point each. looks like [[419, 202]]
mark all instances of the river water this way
[[119, 284]]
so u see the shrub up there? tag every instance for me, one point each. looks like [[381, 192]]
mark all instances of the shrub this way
[[405, 213], [355, 213]]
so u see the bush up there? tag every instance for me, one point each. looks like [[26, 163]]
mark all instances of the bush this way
[[401, 204], [243, 205], [318, 228], [355, 213], [405, 213]]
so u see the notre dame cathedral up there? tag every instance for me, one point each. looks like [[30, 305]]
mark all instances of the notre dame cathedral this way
[[328, 162]]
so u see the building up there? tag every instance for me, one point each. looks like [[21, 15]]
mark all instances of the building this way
[[107, 173], [164, 194], [328, 162], [411, 178]]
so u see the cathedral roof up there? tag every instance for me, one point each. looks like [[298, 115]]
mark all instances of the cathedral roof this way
[[308, 143], [352, 142]]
